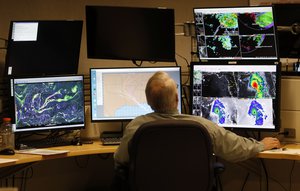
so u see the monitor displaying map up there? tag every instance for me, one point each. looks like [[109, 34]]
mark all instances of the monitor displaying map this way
[[119, 93], [237, 96], [235, 33], [48, 103]]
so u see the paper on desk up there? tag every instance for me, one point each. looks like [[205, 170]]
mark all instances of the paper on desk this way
[[286, 151], [5, 160], [42, 151]]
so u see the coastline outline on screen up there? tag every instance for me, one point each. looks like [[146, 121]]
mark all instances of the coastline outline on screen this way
[[119, 93]]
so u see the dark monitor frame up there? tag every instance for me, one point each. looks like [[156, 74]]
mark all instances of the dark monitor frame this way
[[288, 29], [43, 47], [236, 36], [139, 84], [250, 65], [130, 33], [46, 81]]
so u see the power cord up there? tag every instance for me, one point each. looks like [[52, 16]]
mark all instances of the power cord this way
[[285, 133]]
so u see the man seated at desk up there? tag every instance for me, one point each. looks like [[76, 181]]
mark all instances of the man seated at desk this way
[[161, 93]]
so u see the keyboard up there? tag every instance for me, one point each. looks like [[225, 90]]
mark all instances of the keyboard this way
[[111, 138], [43, 143], [111, 141]]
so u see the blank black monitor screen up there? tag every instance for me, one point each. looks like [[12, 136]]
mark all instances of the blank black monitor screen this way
[[130, 33], [119, 93], [242, 96], [43, 48], [235, 33], [48, 103], [288, 29]]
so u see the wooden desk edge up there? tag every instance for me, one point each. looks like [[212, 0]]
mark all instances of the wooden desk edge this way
[[86, 149], [281, 155]]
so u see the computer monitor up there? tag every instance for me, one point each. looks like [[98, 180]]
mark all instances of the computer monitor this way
[[119, 93], [288, 29], [239, 96], [48, 103], [43, 47], [130, 33], [236, 33]]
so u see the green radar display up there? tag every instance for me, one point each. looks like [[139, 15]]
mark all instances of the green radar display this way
[[236, 33], [265, 19], [226, 42], [228, 20]]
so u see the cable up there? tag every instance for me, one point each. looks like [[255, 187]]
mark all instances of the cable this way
[[187, 62], [266, 173], [25, 180], [291, 174], [267, 176], [278, 183], [176, 64], [245, 181], [135, 63], [282, 133], [246, 166], [186, 98]]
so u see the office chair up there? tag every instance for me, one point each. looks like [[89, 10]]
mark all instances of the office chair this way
[[171, 155]]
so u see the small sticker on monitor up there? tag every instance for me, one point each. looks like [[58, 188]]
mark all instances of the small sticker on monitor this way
[[9, 70], [25, 31]]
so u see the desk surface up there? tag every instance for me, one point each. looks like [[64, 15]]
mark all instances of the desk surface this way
[[292, 153], [98, 148], [85, 149]]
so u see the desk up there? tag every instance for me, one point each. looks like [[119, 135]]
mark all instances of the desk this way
[[98, 148], [85, 149], [25, 160], [281, 155]]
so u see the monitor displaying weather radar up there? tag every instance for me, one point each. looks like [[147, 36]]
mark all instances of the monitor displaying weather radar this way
[[239, 96], [236, 33]]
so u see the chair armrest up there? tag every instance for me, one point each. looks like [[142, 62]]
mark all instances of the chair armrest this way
[[218, 168]]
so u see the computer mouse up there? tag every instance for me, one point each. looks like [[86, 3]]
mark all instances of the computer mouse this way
[[7, 152]]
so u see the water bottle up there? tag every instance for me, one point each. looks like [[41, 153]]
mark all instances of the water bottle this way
[[7, 138]]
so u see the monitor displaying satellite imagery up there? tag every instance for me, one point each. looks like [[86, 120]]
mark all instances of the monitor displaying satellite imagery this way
[[237, 96], [236, 33], [48, 103]]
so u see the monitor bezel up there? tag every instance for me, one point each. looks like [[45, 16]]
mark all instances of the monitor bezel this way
[[43, 71], [45, 128], [133, 68], [239, 58], [276, 103], [287, 50]]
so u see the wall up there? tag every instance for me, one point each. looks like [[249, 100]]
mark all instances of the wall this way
[[260, 2], [95, 172]]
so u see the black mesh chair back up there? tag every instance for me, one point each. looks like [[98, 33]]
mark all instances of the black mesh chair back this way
[[171, 155]]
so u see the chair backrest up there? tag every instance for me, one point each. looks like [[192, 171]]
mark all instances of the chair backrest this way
[[171, 155]]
